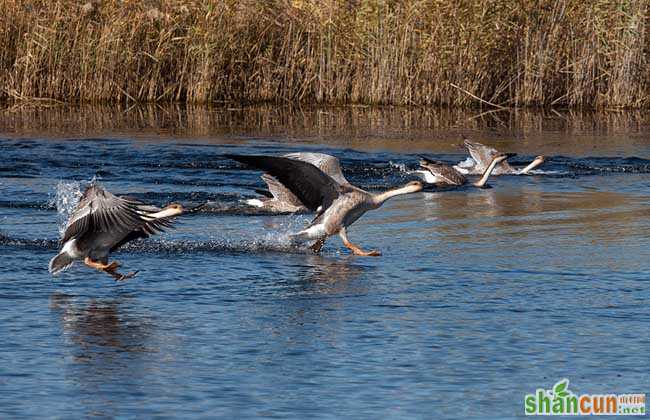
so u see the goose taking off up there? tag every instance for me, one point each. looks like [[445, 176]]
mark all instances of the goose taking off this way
[[280, 199], [445, 175], [103, 222], [337, 205], [482, 155]]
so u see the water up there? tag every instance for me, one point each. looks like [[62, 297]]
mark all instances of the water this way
[[480, 297]]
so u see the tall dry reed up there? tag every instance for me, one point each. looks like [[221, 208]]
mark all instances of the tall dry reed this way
[[417, 52]]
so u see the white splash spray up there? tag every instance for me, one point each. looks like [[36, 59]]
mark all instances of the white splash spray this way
[[399, 166], [278, 235], [67, 196], [467, 163]]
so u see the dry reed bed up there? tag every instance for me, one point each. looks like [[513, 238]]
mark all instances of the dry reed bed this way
[[426, 52]]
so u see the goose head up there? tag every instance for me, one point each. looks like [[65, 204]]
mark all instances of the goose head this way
[[170, 210], [413, 186], [534, 164], [175, 209]]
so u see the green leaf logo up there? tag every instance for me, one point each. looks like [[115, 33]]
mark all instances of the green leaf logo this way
[[560, 389]]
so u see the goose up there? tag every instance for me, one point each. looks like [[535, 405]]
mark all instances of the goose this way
[[337, 205], [482, 155], [280, 199], [440, 173], [101, 223]]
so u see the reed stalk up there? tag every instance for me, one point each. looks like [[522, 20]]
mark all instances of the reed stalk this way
[[461, 53]]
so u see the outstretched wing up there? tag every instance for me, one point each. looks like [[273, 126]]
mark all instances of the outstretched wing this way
[[311, 186], [100, 211], [326, 163], [481, 153], [150, 225]]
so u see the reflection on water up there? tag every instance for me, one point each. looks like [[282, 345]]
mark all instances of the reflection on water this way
[[95, 326], [312, 302], [328, 275], [400, 129], [110, 350], [496, 214]]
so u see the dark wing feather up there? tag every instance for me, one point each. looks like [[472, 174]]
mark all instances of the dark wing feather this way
[[310, 185], [148, 229], [100, 211]]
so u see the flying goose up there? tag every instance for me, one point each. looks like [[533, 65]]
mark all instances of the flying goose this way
[[280, 199], [440, 173], [482, 156], [101, 223], [337, 205]]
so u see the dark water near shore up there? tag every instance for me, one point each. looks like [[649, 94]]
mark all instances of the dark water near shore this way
[[481, 296]]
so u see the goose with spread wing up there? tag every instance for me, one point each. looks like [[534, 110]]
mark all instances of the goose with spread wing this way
[[337, 205], [481, 157], [439, 173], [101, 223], [280, 199]]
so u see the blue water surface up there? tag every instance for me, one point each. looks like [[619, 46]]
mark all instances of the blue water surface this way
[[480, 297]]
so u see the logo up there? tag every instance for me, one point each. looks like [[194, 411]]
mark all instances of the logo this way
[[560, 401]]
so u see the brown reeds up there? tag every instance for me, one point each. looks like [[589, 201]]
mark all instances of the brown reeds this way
[[504, 53]]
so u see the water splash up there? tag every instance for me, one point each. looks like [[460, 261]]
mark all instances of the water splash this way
[[283, 232], [467, 163], [67, 196], [399, 166], [275, 237], [180, 247]]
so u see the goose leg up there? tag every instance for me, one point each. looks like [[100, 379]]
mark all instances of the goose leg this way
[[355, 249], [112, 266], [100, 266], [110, 269]]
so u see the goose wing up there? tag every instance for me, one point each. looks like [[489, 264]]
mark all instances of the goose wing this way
[[280, 192], [150, 225], [310, 185], [100, 211], [442, 172], [481, 153], [326, 163]]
